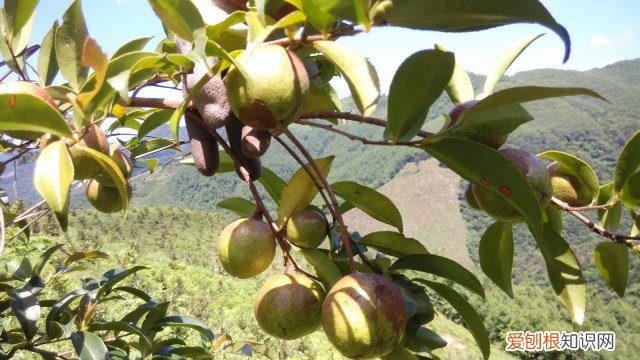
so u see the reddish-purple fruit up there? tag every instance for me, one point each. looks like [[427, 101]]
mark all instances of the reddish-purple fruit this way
[[204, 148], [255, 143]]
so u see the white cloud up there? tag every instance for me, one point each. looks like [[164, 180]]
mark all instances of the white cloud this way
[[600, 41], [627, 36]]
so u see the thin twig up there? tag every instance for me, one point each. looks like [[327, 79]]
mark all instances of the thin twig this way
[[357, 138], [617, 238], [311, 38], [45, 212], [354, 117]]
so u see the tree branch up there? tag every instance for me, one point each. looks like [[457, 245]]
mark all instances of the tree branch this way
[[354, 117], [358, 138]]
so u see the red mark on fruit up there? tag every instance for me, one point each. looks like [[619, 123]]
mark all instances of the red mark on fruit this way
[[12, 101], [485, 182], [506, 191]]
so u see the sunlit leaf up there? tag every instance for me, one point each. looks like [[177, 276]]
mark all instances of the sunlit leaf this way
[[47, 62], [369, 200], [240, 206], [52, 177], [496, 255], [393, 243], [181, 17], [26, 309], [89, 346], [70, 38], [612, 261], [577, 168]]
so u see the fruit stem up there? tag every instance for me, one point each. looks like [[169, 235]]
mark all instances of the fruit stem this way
[[617, 238], [344, 233]]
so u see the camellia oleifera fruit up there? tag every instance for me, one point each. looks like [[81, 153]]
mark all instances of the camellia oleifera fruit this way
[[471, 199], [364, 316], [246, 247], [279, 92], [289, 306], [568, 187], [307, 229], [104, 198], [85, 166], [124, 164], [494, 141], [536, 175]]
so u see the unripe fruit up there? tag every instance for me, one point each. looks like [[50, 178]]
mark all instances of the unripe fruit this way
[[307, 229], [493, 141], [471, 199], [568, 187], [234, 133], [254, 143], [25, 87], [124, 164], [204, 148], [364, 316], [288, 306], [105, 199], [280, 88], [536, 175], [246, 247], [84, 165], [459, 109]]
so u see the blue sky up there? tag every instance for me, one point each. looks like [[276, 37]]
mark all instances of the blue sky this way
[[601, 31]]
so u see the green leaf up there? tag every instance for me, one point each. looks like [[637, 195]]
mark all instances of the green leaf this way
[[486, 167], [181, 17], [89, 346], [70, 38], [240, 206], [322, 98], [57, 309], [422, 338], [360, 75], [85, 255], [131, 46], [119, 326], [459, 88], [151, 164], [416, 85], [26, 309], [301, 189], [154, 121], [393, 243], [496, 255], [628, 163], [53, 176], [18, 14], [399, 353], [611, 217], [120, 70], [554, 218], [113, 277], [326, 269], [44, 258], [145, 148], [442, 267], [354, 10], [320, 19], [466, 311], [47, 62], [370, 201], [577, 168], [564, 273], [187, 322], [464, 15], [500, 113], [272, 183], [612, 261], [631, 191], [133, 291], [504, 61], [27, 112]]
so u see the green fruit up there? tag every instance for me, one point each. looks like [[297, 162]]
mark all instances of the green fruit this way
[[364, 316], [280, 88], [288, 306], [246, 247], [307, 229], [25, 87], [493, 141], [471, 199], [84, 165], [568, 187], [536, 175], [105, 199], [124, 164]]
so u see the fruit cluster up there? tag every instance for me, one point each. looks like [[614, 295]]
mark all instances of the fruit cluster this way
[[363, 315]]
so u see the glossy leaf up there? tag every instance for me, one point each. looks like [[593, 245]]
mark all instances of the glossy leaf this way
[[85, 255], [424, 338], [370, 201], [272, 183], [301, 189], [459, 88], [464, 15], [153, 122], [112, 278], [612, 261], [148, 147], [326, 270], [26, 112], [504, 61], [44, 258], [467, 312], [26, 309], [576, 167], [52, 177], [319, 18], [240, 206], [131, 46], [18, 14], [181, 17], [554, 218], [120, 70], [47, 61], [57, 309], [92, 56], [486, 167], [416, 85], [442, 267], [360, 75], [70, 38], [631, 191], [322, 98], [187, 322], [119, 326], [393, 243], [354, 10], [496, 255], [628, 163], [133, 291], [89, 346], [151, 164], [611, 217], [564, 273]]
